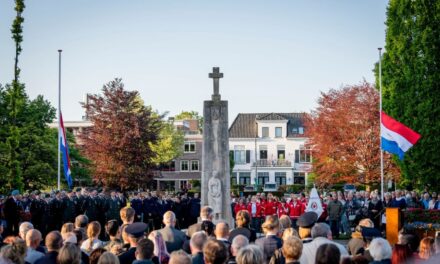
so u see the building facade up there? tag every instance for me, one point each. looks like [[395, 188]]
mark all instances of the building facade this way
[[269, 148]]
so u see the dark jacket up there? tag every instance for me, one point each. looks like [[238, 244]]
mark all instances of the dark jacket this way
[[198, 258], [247, 232], [128, 257], [144, 261], [174, 239], [269, 244], [49, 258]]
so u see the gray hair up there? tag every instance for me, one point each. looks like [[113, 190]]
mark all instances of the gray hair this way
[[320, 230], [380, 249], [238, 242], [81, 221], [206, 212], [250, 254], [198, 239], [24, 228]]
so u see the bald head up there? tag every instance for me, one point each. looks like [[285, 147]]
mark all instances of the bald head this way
[[54, 241], [33, 238], [238, 242], [222, 230]]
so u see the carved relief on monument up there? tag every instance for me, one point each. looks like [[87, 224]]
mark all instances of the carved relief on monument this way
[[215, 194]]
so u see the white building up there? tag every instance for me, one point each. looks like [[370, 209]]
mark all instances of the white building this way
[[269, 147]]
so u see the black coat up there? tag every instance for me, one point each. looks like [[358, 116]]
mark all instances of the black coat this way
[[11, 210], [49, 258], [128, 257]]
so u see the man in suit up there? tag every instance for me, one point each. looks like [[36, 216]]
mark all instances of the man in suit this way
[[135, 233], [11, 210], [53, 242], [174, 239], [222, 234], [197, 241], [206, 214]]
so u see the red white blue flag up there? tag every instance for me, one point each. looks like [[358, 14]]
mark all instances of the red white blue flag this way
[[65, 153], [396, 137]]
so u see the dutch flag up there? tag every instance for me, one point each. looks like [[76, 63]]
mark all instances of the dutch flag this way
[[396, 137], [65, 152]]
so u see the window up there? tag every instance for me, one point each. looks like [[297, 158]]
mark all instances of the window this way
[[234, 178], [239, 155], [189, 147], [195, 165], [265, 132], [303, 155], [263, 152], [278, 132], [299, 177], [280, 178], [184, 165], [245, 178], [301, 130], [263, 177]]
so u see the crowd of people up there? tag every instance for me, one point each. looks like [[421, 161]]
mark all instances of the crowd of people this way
[[90, 227]]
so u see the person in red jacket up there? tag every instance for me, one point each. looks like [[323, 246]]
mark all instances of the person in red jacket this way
[[241, 205], [283, 208], [255, 211], [270, 207], [296, 209]]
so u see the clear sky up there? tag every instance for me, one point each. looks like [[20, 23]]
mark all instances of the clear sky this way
[[276, 56]]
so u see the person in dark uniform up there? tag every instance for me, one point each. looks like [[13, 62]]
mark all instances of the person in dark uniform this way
[[136, 204], [114, 206], [90, 206], [12, 213], [68, 208], [194, 209], [135, 233], [37, 210], [45, 216], [56, 212], [177, 209], [148, 207], [80, 200]]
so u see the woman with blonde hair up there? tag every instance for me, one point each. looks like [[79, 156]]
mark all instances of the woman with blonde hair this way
[[160, 250], [426, 249], [278, 256], [66, 228], [271, 241], [243, 220], [92, 242]]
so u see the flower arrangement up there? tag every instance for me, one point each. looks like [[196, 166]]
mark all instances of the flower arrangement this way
[[420, 219]]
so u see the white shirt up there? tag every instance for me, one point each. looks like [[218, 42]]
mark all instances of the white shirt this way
[[85, 246], [254, 209]]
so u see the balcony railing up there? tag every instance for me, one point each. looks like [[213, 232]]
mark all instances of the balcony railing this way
[[272, 163]]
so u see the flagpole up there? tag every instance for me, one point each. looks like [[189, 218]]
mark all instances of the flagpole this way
[[59, 119], [380, 121]]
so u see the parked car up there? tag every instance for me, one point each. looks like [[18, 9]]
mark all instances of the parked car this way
[[270, 187], [349, 188]]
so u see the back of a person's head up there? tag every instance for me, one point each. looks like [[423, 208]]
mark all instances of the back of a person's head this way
[[15, 252], [222, 230], [67, 228], [426, 248], [112, 228], [169, 218], [206, 212], [24, 228], [401, 254], [250, 254], [242, 218], [127, 214], [198, 239], [108, 258], [81, 221], [79, 236], [33, 237], [289, 232], [95, 255], [320, 230], [93, 229], [328, 254], [272, 223], [380, 249], [179, 257], [69, 254], [53, 241], [215, 252], [292, 248], [238, 243], [208, 227], [144, 249], [285, 222], [304, 232]]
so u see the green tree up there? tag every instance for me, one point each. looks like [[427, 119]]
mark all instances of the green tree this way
[[169, 144], [411, 83]]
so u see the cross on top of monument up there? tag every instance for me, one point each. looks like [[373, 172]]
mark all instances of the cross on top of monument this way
[[215, 76]]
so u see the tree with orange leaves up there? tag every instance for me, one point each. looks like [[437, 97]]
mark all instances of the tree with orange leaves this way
[[344, 135]]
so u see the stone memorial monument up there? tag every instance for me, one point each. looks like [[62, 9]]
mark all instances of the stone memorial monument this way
[[215, 158]]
